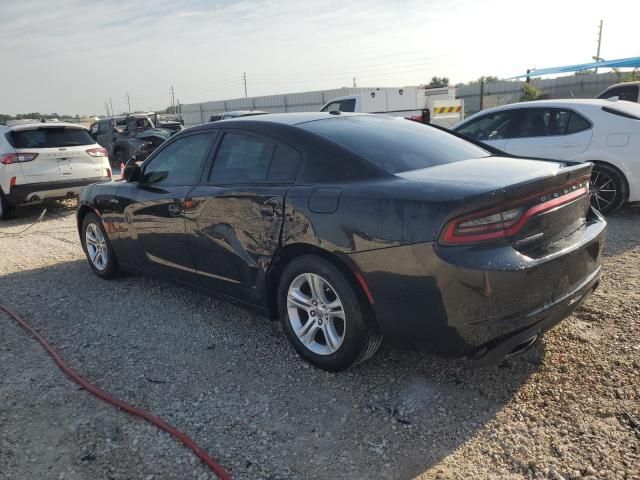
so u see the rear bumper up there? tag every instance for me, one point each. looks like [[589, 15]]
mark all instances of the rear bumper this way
[[50, 190], [480, 302]]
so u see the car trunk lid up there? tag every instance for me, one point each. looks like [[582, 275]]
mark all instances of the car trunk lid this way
[[533, 204]]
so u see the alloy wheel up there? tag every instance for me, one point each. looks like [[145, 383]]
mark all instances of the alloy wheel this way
[[96, 246], [602, 190], [316, 313]]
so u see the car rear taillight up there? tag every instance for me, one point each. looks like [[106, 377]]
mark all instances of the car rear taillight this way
[[488, 225], [12, 182], [98, 152], [9, 158]]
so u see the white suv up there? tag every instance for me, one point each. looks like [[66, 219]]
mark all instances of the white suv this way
[[41, 161]]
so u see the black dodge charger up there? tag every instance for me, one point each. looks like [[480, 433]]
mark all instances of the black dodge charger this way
[[357, 228]]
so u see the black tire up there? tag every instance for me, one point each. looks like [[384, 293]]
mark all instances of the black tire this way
[[7, 210], [359, 341], [119, 156], [608, 189], [110, 269]]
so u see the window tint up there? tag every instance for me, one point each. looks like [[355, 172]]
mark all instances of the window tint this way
[[494, 126], [547, 122], [246, 159], [50, 137], [626, 92], [332, 107], [180, 162], [577, 123], [395, 144], [102, 127], [284, 165], [348, 105]]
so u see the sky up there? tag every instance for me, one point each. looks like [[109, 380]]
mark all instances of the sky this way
[[71, 56]]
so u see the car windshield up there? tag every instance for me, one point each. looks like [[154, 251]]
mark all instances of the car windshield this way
[[50, 137], [396, 145]]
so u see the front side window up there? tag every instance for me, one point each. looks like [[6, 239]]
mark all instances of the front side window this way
[[102, 128], [332, 107], [348, 105], [245, 159], [494, 126], [626, 92], [180, 162]]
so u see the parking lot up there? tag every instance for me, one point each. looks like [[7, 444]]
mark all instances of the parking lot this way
[[569, 408]]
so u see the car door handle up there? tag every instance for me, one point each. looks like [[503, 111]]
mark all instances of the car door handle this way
[[570, 145], [174, 209]]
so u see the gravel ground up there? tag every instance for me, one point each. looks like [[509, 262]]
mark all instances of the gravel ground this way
[[569, 408]]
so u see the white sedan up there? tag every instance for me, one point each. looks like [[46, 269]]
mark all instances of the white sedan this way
[[604, 132]]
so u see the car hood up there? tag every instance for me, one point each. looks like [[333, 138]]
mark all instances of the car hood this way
[[155, 132]]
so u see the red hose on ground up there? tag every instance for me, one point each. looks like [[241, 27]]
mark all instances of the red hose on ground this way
[[104, 396]]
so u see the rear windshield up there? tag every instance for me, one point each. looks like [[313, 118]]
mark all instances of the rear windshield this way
[[50, 137], [618, 109], [395, 144]]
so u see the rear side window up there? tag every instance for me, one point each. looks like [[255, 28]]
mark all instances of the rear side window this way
[[394, 144], [550, 122], [50, 137], [577, 123], [247, 159]]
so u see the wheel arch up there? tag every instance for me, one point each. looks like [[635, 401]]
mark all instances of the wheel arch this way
[[288, 253], [83, 210], [619, 170]]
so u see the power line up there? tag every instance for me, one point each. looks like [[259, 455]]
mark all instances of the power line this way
[[332, 72]]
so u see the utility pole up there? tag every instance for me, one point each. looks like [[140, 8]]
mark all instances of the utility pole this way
[[129, 102], [482, 92], [173, 100], [107, 107], [244, 81], [111, 103], [597, 57], [354, 82]]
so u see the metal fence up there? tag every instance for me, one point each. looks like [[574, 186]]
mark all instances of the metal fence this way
[[503, 92], [196, 113], [494, 94]]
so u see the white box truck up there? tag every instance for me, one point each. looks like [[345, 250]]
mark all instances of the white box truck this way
[[428, 105]]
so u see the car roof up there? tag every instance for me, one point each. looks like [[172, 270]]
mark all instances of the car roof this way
[[35, 125], [623, 84], [287, 118], [567, 103], [244, 112]]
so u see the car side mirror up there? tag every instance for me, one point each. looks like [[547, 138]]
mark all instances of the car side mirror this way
[[132, 172]]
